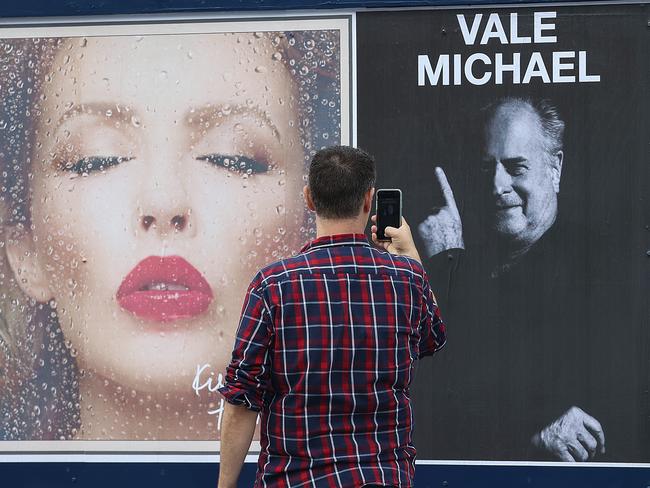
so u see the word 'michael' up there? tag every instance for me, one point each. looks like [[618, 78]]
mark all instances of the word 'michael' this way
[[480, 68]]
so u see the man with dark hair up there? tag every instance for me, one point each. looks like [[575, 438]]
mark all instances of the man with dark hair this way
[[326, 346], [339, 178]]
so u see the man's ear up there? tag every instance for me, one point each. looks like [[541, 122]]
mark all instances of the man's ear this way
[[307, 194], [367, 200], [556, 170], [24, 263]]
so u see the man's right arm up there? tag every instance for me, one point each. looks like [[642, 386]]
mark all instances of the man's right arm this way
[[401, 240], [433, 332], [432, 329]]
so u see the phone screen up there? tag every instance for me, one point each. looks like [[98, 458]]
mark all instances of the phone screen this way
[[389, 211]]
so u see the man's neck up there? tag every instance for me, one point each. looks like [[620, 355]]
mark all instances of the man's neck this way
[[330, 227]]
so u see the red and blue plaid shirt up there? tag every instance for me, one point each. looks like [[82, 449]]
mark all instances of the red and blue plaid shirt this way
[[325, 350]]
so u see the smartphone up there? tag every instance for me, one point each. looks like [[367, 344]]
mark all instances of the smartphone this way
[[389, 211]]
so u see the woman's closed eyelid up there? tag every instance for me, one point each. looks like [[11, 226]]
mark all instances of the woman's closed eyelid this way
[[237, 163], [89, 164]]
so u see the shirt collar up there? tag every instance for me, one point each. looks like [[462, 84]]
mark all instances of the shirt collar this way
[[337, 240]]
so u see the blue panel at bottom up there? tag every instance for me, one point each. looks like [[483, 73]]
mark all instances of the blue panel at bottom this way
[[163, 475]]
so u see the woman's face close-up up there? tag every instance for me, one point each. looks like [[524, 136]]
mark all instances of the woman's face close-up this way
[[166, 170]]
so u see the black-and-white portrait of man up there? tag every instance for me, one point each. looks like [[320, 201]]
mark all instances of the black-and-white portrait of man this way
[[529, 201], [520, 166]]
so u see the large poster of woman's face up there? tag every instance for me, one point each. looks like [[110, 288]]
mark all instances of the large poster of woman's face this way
[[519, 138], [146, 174]]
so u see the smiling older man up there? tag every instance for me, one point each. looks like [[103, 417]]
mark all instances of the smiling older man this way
[[522, 165], [525, 296]]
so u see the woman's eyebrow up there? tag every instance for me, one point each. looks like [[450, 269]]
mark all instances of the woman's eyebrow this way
[[107, 110], [199, 115]]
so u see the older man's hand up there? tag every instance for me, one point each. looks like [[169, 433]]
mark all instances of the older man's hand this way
[[574, 436], [443, 229]]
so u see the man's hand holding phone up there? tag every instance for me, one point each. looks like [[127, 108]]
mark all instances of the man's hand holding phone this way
[[401, 239]]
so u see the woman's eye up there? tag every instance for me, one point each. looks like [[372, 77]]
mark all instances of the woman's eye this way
[[239, 164], [89, 164]]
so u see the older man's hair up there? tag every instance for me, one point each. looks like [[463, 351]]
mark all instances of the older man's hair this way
[[549, 119]]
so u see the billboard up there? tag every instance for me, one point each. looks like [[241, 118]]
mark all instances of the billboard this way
[[519, 137], [148, 170]]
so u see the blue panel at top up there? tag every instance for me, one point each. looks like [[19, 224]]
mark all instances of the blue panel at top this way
[[43, 8]]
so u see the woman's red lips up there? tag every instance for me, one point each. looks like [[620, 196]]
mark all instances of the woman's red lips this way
[[164, 289]]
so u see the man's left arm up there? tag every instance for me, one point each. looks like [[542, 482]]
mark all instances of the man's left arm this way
[[246, 384], [237, 428]]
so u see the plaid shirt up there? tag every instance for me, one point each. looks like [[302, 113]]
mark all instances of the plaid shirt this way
[[325, 350]]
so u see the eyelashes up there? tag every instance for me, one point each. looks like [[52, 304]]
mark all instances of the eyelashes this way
[[239, 164], [89, 164]]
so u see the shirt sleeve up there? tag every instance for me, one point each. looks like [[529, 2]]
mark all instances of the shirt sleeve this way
[[433, 334], [248, 374]]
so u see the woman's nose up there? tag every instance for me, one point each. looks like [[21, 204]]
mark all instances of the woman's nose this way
[[178, 222], [164, 203]]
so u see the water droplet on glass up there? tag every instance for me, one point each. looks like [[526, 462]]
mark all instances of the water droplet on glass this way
[[260, 69], [277, 56], [280, 209], [309, 44]]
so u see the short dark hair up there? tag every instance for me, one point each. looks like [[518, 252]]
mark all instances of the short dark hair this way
[[339, 177]]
